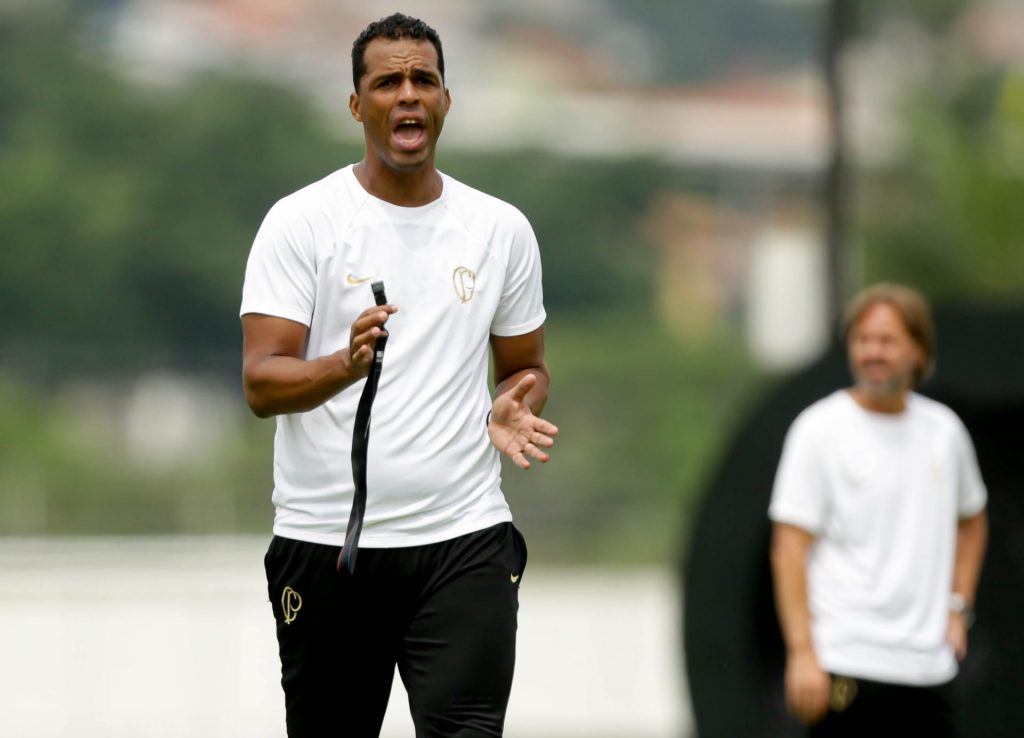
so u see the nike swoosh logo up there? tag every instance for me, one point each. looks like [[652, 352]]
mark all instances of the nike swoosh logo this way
[[359, 280], [514, 578]]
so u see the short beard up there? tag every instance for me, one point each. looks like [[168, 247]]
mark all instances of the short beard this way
[[893, 385]]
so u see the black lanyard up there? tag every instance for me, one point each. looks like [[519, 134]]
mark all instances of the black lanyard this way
[[360, 442]]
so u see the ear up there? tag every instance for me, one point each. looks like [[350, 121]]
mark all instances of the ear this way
[[920, 361], [447, 100], [353, 107]]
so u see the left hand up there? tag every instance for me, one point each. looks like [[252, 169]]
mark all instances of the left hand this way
[[956, 634], [515, 430]]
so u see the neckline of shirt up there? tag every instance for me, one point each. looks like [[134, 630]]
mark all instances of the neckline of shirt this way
[[400, 209], [880, 417]]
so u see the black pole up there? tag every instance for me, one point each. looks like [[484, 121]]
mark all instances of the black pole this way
[[837, 25]]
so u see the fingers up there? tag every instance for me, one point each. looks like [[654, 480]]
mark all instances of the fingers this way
[[523, 387], [510, 410], [817, 706], [531, 425], [534, 444], [542, 426], [809, 706], [539, 439], [521, 444], [520, 460], [534, 450], [374, 317], [361, 349], [956, 636], [521, 451], [366, 339], [807, 690], [537, 431], [363, 355], [366, 329], [814, 707]]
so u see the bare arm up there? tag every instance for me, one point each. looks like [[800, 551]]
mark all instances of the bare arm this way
[[971, 541], [807, 685], [278, 379], [521, 390]]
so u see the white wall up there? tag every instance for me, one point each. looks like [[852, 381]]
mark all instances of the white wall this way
[[147, 638]]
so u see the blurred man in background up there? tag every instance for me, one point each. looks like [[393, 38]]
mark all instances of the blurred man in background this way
[[878, 537], [435, 590]]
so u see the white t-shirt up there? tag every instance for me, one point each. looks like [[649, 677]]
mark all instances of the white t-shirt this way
[[459, 269], [883, 494]]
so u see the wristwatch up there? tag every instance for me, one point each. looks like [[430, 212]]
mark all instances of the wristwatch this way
[[958, 604]]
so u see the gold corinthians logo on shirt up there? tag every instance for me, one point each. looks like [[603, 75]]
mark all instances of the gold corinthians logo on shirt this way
[[464, 282], [291, 603]]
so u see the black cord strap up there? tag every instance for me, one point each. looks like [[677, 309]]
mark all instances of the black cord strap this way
[[360, 443]]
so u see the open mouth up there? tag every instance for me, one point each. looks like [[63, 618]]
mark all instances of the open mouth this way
[[409, 134]]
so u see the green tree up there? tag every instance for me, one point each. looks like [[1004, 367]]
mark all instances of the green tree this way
[[128, 212], [946, 216]]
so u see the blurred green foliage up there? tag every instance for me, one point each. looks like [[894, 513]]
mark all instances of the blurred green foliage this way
[[64, 472], [946, 213], [127, 212], [641, 419]]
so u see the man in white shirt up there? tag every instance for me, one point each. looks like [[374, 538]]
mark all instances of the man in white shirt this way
[[435, 591], [879, 531]]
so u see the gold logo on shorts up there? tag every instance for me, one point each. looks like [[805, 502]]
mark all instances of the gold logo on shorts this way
[[291, 603], [464, 282], [841, 693]]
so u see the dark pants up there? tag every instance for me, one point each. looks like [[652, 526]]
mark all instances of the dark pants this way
[[879, 710], [445, 613]]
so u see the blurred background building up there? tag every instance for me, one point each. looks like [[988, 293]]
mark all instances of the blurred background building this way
[[708, 180]]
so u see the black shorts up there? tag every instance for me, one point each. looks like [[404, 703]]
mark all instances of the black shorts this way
[[444, 613], [881, 710]]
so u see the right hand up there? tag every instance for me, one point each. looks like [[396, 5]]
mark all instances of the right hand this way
[[807, 687], [363, 336]]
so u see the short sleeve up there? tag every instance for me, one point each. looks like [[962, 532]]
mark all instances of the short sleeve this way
[[800, 491], [972, 496], [280, 277], [521, 308]]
